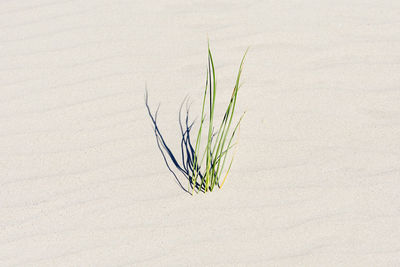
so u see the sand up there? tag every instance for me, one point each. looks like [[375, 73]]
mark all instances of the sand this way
[[315, 181]]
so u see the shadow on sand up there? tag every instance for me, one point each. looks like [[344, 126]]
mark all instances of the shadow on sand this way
[[186, 165]]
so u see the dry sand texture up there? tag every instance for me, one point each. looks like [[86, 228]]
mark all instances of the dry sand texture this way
[[316, 181]]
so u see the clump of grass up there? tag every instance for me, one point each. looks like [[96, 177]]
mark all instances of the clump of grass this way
[[206, 175]]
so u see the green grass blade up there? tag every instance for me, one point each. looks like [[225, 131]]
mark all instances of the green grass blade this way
[[198, 140], [219, 171]]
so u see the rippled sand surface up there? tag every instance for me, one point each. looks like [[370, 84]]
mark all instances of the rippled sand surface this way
[[315, 181]]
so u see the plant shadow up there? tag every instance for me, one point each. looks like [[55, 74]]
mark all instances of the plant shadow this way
[[186, 164]]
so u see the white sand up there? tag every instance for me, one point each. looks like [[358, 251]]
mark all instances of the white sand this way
[[316, 178]]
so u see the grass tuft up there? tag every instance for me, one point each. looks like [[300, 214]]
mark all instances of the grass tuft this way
[[203, 170]]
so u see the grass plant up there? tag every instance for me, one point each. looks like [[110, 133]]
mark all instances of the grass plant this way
[[203, 164]]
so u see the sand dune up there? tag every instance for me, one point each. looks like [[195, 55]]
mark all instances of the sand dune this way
[[315, 181]]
